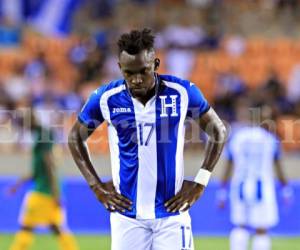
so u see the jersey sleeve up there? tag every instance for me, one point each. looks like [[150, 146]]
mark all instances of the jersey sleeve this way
[[90, 114], [197, 105]]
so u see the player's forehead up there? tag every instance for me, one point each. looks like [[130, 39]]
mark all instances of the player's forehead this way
[[143, 59]]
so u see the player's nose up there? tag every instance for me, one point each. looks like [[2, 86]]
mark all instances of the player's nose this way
[[137, 79]]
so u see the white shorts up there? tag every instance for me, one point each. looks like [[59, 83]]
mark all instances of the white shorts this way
[[173, 232], [253, 212]]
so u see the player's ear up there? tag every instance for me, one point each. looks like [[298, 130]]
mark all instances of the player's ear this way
[[156, 63]]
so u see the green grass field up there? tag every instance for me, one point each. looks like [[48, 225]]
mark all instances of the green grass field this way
[[88, 242]]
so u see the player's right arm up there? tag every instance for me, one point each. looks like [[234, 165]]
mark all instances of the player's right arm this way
[[89, 118], [22, 181], [228, 155], [105, 192], [223, 190], [280, 173], [228, 168], [286, 190]]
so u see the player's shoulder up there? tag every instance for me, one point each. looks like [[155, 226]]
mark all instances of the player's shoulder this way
[[249, 131], [256, 133], [175, 80], [238, 129], [270, 135], [108, 87]]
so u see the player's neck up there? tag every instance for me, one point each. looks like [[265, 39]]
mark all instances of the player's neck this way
[[148, 96]]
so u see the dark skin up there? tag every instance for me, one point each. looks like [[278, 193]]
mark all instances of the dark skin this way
[[105, 192], [139, 73]]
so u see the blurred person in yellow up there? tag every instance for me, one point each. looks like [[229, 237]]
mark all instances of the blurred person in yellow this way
[[41, 206]]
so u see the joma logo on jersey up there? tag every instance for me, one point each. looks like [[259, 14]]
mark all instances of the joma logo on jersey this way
[[121, 110], [171, 104]]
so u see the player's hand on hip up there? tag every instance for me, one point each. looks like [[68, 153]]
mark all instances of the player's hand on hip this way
[[108, 196], [185, 198]]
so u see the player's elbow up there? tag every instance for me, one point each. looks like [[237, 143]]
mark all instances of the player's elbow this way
[[221, 133], [72, 138]]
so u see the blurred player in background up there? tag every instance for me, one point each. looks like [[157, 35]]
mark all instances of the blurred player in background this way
[[251, 153], [41, 206], [146, 114]]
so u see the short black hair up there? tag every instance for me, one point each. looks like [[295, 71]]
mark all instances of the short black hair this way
[[136, 40]]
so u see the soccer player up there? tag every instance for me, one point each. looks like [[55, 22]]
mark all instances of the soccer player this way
[[146, 113], [41, 206], [250, 154]]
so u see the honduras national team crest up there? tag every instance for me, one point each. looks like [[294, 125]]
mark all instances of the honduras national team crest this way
[[165, 105]]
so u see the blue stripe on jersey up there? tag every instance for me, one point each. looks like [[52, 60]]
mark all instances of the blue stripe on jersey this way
[[170, 78], [241, 191], [166, 135], [259, 190], [125, 125]]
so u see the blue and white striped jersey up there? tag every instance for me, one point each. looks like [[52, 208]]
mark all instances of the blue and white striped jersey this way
[[252, 150], [146, 141]]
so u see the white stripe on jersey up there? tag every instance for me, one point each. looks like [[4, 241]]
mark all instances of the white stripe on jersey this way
[[253, 150], [104, 98], [113, 136], [145, 117], [114, 156], [181, 133]]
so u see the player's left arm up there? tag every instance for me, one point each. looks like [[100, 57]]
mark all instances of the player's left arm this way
[[287, 192], [19, 183], [192, 190], [279, 171]]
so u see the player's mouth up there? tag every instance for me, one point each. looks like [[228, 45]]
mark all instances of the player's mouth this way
[[138, 91], [137, 88]]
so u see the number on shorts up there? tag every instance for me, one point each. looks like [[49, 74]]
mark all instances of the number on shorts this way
[[186, 235]]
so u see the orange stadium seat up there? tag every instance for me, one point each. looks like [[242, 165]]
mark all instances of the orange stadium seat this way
[[98, 142], [256, 46], [282, 47]]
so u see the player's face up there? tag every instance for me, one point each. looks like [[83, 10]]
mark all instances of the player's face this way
[[138, 71]]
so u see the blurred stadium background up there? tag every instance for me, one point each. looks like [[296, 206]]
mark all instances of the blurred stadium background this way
[[53, 53]]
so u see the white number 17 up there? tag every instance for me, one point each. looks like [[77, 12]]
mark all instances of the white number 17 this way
[[142, 130]]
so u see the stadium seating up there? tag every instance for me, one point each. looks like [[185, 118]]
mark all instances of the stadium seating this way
[[260, 57]]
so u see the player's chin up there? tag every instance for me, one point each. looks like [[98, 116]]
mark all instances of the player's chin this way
[[138, 92]]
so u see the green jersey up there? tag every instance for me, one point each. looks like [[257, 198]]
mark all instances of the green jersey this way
[[43, 144]]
